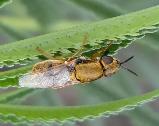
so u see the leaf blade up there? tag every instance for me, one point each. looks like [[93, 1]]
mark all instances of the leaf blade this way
[[4, 2], [15, 94], [125, 27], [77, 112]]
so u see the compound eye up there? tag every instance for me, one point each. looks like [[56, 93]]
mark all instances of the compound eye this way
[[107, 59], [78, 61]]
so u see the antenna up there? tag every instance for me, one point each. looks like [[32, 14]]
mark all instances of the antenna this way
[[127, 60], [130, 70], [126, 67]]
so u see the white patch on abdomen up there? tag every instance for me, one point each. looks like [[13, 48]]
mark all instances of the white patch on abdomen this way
[[54, 78]]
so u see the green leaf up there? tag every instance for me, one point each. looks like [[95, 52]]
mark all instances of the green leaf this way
[[18, 31], [46, 11], [4, 2], [28, 113], [42, 8], [154, 45], [10, 78], [11, 32], [100, 8], [125, 27], [19, 25], [14, 72], [15, 94]]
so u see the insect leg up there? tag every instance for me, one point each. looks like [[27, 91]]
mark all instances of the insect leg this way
[[49, 56], [85, 40], [44, 53], [100, 52]]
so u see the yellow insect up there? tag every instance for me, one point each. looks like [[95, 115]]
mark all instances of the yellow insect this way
[[55, 73]]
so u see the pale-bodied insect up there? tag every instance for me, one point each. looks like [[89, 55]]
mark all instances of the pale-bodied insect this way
[[61, 73]]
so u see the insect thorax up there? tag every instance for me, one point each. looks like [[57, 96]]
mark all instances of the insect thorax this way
[[86, 72]]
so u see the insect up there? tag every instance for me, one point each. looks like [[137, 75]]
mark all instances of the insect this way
[[51, 73], [55, 73]]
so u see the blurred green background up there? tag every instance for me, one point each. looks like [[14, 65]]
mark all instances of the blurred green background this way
[[28, 18]]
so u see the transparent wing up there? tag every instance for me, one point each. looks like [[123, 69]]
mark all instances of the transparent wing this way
[[54, 78]]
